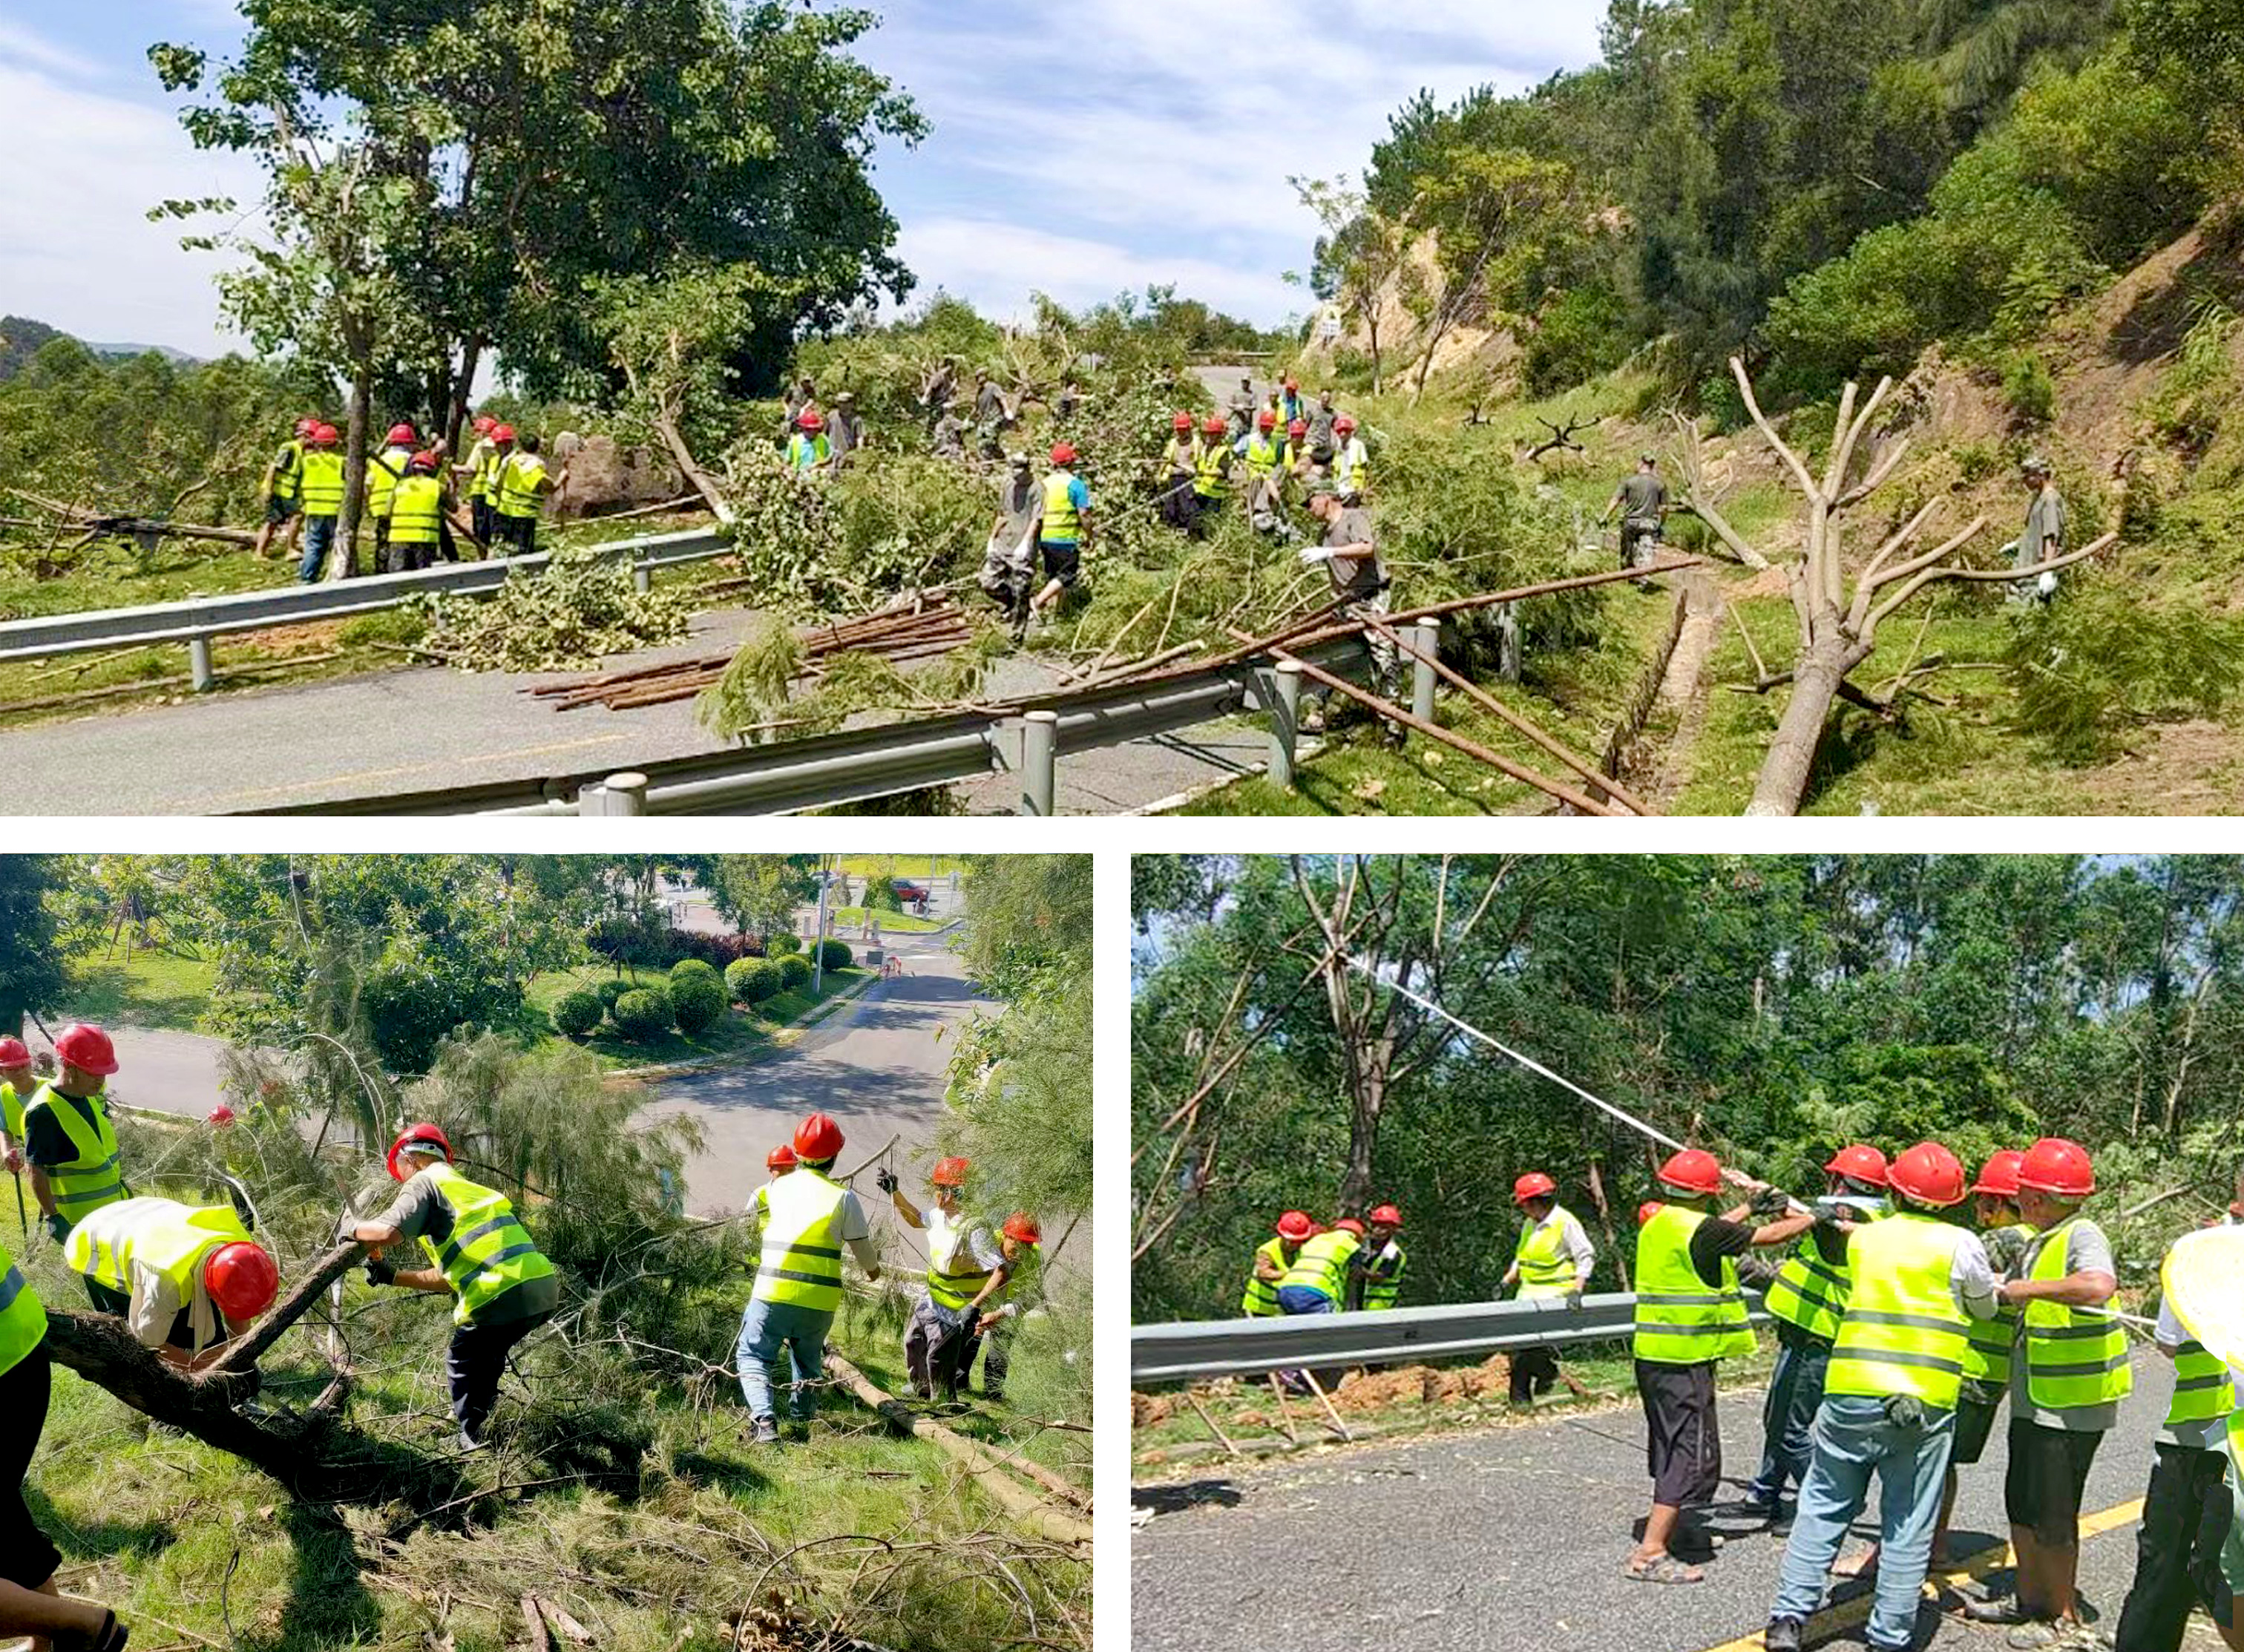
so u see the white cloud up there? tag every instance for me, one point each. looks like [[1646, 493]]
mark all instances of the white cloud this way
[[996, 266]]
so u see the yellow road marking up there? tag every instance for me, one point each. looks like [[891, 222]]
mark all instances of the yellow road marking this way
[[1853, 1613], [418, 768]]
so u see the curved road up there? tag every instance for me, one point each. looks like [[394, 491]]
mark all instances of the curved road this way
[[1512, 1540]]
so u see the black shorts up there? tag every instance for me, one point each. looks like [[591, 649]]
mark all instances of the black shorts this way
[[2048, 1473], [1063, 562], [1975, 1421], [27, 1559], [278, 509], [1683, 1438]]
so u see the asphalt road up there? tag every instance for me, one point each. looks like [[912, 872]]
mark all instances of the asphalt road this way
[[1512, 1540]]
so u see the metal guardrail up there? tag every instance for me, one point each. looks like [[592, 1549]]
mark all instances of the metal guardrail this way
[[860, 764], [1202, 1349], [198, 619]]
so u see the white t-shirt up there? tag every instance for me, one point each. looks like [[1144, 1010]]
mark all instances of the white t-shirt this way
[[951, 1239]]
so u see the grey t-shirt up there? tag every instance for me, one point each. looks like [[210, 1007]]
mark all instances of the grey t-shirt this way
[[1021, 503], [1362, 577], [841, 431], [2087, 1251], [988, 404], [419, 1212], [1643, 496], [2045, 525]]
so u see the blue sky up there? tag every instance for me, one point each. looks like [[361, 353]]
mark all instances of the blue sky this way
[[1079, 150]]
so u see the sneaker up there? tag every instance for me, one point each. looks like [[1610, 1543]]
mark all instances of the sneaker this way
[[1782, 1635], [2034, 1637], [1998, 1609], [767, 1432], [468, 1442]]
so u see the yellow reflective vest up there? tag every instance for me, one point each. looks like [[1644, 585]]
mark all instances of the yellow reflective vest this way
[[2074, 1356], [1264, 455], [1988, 1357], [801, 1257], [415, 509], [1321, 1264], [482, 464], [955, 1280], [383, 472], [1902, 1331], [1063, 522], [2203, 1389], [1679, 1320], [1261, 1301], [161, 1234], [288, 470], [1808, 1291], [1546, 1267], [22, 1319], [489, 1252], [520, 489], [1212, 469], [1382, 1290], [323, 482], [92, 1178], [12, 1114]]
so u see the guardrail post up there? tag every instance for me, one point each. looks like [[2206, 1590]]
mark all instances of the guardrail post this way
[[199, 664], [1285, 723], [1426, 637], [621, 794], [1039, 763], [642, 577], [1507, 641]]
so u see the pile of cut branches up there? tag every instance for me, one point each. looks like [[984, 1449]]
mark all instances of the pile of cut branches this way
[[575, 612]]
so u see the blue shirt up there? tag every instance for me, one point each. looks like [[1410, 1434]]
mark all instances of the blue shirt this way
[[1078, 495]]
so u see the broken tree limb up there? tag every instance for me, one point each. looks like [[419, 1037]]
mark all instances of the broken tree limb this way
[[665, 426], [1561, 439], [1690, 463], [301, 1300], [1015, 1499]]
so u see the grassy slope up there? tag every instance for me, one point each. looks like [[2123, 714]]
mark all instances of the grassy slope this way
[[908, 866], [153, 990], [738, 1031]]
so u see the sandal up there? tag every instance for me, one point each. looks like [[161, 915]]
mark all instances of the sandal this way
[[1665, 1569]]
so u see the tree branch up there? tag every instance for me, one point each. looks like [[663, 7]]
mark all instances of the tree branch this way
[[1760, 422]]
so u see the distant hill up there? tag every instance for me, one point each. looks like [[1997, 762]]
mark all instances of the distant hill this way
[[21, 338]]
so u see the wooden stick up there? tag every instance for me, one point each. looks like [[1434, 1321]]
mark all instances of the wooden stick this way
[[1285, 1413], [1192, 1400], [1317, 1388], [1744, 631]]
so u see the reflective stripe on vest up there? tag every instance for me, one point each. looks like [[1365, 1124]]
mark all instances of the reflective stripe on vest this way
[[12, 1114], [2201, 1390], [323, 482], [1546, 1268], [488, 1252], [1352, 466], [801, 1259], [163, 1235], [288, 473], [518, 478], [1062, 524], [1322, 1264], [2074, 1356], [1902, 1331], [1988, 1357], [383, 472], [22, 1319], [1264, 455], [804, 453], [1211, 469], [486, 458], [91, 1180], [1380, 1291], [1679, 1320], [956, 1286], [1261, 1298], [415, 509], [1808, 1291]]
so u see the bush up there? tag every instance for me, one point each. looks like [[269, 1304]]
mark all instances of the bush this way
[[835, 955], [697, 1000], [743, 975], [686, 966], [1584, 334], [577, 1013], [881, 897], [643, 1014], [781, 944], [2029, 388], [795, 971]]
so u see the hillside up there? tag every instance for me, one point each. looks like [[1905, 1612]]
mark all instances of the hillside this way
[[21, 338]]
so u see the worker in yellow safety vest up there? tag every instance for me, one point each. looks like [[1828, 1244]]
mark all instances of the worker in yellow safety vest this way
[[284, 489], [780, 1161], [323, 502], [1322, 1270], [963, 1258], [1020, 1240], [18, 1081], [807, 1218], [1351, 464], [1384, 1259], [524, 484], [1690, 1317], [1916, 1284], [1551, 1259], [809, 451], [68, 1141], [489, 452], [419, 511], [2069, 1372], [183, 1278], [479, 1253], [1212, 465], [383, 472], [1268, 473], [1063, 531], [1274, 1258], [1805, 1299]]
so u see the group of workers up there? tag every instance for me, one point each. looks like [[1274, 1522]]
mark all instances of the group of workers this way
[[1306, 1268], [414, 492], [1281, 449]]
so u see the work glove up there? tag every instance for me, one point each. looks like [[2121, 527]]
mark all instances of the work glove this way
[[1312, 554], [887, 1179], [1771, 1201], [380, 1270], [1904, 1411], [347, 1229], [58, 1227], [1574, 1297]]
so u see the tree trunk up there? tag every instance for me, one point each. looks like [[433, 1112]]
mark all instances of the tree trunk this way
[[464, 387], [344, 560], [1375, 1059], [1784, 774]]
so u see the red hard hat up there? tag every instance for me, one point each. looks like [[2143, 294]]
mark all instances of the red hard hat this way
[[417, 1133], [1533, 1185], [1063, 453], [13, 1053], [1021, 1227], [1293, 383], [1344, 422], [1388, 1216], [1183, 420], [1694, 1170], [2000, 1175], [485, 423], [1648, 1210], [1267, 420], [501, 433], [812, 420], [1296, 1226], [219, 1116], [950, 1173], [422, 461], [1297, 428], [1928, 1173], [241, 1280], [323, 435], [1349, 1224], [817, 1138], [780, 1158], [87, 1048], [2054, 1165], [1860, 1162], [403, 435], [305, 426], [1213, 425]]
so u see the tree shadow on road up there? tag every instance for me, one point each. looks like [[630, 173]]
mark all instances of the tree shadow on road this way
[[1175, 1499]]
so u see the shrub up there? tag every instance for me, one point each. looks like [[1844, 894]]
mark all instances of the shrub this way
[[697, 1000], [795, 971], [742, 976], [1584, 334], [643, 1014], [686, 966], [835, 955], [577, 1013], [2029, 388], [612, 989], [781, 944], [881, 897]]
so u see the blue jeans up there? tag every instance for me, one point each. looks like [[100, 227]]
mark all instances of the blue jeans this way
[[1304, 1299], [319, 539], [1854, 1441], [764, 1329], [1787, 1419]]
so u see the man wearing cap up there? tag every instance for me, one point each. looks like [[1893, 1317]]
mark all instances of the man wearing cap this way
[[183, 1278], [383, 472], [1021, 1283], [1805, 1299], [1323, 1270], [1323, 418], [780, 1161], [1063, 531], [991, 416], [808, 1219], [1551, 1259], [1273, 1258], [1212, 467], [963, 1258], [808, 452], [1349, 551], [845, 428], [1916, 1284], [1691, 1315], [1642, 502], [1351, 462], [479, 1253], [477, 470], [523, 485], [1242, 409], [418, 527], [948, 436], [1009, 560], [1267, 472], [322, 483], [18, 1081], [2044, 539], [2069, 1372], [68, 1141]]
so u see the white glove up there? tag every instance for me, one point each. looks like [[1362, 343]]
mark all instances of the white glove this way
[[1312, 554], [2046, 585]]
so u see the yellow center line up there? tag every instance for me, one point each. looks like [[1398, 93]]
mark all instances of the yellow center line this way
[[1854, 1612]]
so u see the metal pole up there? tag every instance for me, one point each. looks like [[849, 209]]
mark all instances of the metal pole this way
[[642, 577], [1428, 633], [818, 940], [1507, 641], [199, 664], [621, 794], [1039, 763], [1285, 723]]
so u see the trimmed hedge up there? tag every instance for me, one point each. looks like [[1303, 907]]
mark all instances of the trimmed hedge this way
[[643, 1015], [795, 970], [835, 955], [754, 979], [686, 966], [575, 1015], [612, 989], [780, 944], [697, 999]]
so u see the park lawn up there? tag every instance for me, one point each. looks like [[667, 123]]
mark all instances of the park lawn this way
[[892, 923], [738, 1031], [154, 989], [914, 868]]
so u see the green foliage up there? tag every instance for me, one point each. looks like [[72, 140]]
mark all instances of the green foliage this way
[[612, 989], [750, 980], [697, 1001], [780, 943], [575, 1015], [32, 979], [794, 971], [575, 612], [834, 955], [2100, 659], [881, 896], [643, 1014], [686, 966], [2028, 387], [2199, 389], [1581, 335]]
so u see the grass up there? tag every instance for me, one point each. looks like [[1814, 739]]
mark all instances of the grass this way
[[917, 868], [153, 989], [893, 923], [738, 1031]]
